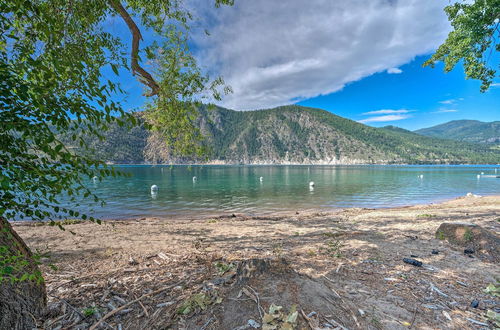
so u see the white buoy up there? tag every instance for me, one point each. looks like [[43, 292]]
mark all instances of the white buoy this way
[[261, 179], [421, 176], [194, 179], [154, 189], [482, 173], [311, 184]]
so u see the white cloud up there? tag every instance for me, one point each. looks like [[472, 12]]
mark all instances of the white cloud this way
[[451, 101], [384, 118], [278, 52], [495, 85], [386, 111], [394, 71], [446, 110]]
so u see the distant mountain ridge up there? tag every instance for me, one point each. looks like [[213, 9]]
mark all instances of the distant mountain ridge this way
[[465, 130], [291, 135]]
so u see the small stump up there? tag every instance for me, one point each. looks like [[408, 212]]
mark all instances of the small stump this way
[[471, 236], [261, 283]]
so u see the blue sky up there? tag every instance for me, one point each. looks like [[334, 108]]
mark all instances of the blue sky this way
[[360, 60], [428, 95]]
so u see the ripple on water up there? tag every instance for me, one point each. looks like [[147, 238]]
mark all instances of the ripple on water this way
[[237, 188]]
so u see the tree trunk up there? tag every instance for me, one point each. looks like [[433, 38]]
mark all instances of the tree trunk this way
[[21, 302]]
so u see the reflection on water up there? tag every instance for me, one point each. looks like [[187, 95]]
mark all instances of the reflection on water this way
[[193, 190]]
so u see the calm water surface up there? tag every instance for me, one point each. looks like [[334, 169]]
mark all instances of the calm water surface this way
[[224, 189]]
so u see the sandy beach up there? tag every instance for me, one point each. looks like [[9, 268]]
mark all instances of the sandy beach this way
[[145, 272]]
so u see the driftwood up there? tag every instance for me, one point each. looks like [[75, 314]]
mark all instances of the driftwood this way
[[116, 310]]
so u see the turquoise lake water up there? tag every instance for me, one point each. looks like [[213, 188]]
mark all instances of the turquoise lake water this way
[[238, 189]]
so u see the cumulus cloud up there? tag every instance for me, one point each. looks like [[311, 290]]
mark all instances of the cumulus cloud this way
[[394, 71], [386, 111], [384, 118], [280, 52]]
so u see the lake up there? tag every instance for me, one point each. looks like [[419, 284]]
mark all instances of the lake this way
[[238, 189]]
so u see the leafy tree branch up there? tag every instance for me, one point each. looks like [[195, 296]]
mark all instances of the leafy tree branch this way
[[473, 40], [144, 76]]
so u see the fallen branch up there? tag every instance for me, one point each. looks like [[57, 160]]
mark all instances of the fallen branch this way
[[413, 318], [434, 288], [477, 322], [343, 301], [256, 299], [207, 323], [144, 309], [337, 324], [310, 321], [113, 312]]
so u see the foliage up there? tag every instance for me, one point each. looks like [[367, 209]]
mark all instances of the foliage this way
[[473, 39], [494, 317], [53, 95], [44, 84], [198, 302], [277, 319], [440, 235], [13, 267], [333, 248], [89, 311], [493, 290], [426, 215], [468, 235], [223, 267]]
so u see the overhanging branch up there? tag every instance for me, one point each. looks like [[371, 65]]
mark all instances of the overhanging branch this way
[[142, 75]]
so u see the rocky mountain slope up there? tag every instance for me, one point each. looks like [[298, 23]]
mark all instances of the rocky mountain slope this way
[[293, 135]]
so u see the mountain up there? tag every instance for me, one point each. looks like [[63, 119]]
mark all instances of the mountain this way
[[465, 130], [292, 135]]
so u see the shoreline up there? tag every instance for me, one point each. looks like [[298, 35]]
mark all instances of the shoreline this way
[[302, 164], [358, 253], [271, 213]]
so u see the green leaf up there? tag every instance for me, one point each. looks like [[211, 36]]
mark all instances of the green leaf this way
[[493, 290], [115, 69]]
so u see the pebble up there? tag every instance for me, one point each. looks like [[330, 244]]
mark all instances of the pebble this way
[[469, 251], [254, 324]]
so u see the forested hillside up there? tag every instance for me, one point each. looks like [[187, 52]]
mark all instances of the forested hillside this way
[[293, 135], [465, 130]]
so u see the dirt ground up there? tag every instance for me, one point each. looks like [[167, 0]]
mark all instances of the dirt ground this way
[[341, 269]]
